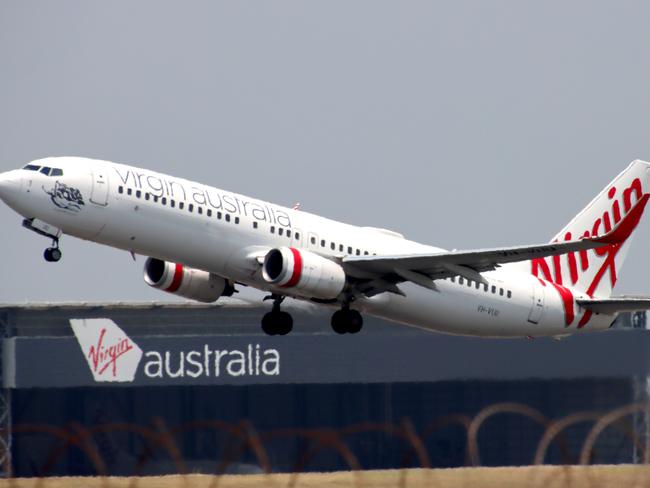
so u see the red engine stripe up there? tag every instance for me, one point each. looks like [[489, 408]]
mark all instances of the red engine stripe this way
[[297, 268], [178, 278]]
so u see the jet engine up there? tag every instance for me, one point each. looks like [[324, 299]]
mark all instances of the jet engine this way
[[186, 282], [303, 273]]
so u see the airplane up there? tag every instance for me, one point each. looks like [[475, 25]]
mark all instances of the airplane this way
[[202, 243]]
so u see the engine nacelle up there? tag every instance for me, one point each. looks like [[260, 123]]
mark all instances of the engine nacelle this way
[[303, 273], [186, 282]]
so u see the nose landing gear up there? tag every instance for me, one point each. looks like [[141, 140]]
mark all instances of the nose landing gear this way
[[53, 254]]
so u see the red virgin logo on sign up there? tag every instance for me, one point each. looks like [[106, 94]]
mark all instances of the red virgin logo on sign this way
[[109, 352], [104, 356]]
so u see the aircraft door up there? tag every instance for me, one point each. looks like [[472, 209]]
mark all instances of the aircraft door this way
[[99, 190], [537, 308]]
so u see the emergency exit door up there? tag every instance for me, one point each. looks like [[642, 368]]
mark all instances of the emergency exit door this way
[[537, 308], [99, 191]]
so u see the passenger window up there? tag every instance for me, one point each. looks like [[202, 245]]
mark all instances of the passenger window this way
[[129, 191], [199, 210], [254, 224], [155, 198], [322, 243], [349, 250], [461, 281], [358, 252], [272, 229], [146, 196], [333, 246], [509, 294], [227, 217], [478, 285], [181, 205], [138, 193], [236, 220], [453, 279], [297, 236], [501, 291], [288, 233], [365, 252], [280, 231], [469, 282], [120, 189], [494, 289], [56, 172], [172, 203], [341, 248], [219, 215], [46, 170], [209, 212], [313, 240], [485, 286], [190, 207], [163, 200]]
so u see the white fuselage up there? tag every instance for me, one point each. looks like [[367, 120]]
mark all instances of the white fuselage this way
[[218, 231]]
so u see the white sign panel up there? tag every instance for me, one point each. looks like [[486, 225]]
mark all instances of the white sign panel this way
[[111, 355]]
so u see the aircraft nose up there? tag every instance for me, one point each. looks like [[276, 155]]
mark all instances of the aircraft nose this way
[[10, 183]]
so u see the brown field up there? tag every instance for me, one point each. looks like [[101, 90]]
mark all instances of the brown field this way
[[627, 476]]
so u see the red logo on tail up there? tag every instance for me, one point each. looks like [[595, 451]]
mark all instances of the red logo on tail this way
[[623, 226]]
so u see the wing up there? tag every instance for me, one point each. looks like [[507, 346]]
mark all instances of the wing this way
[[615, 304], [376, 274], [479, 260], [422, 269]]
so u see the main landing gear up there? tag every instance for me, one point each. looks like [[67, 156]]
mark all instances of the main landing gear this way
[[277, 322], [347, 321]]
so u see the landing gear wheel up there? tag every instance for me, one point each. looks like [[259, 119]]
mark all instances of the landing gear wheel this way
[[52, 254], [277, 323], [338, 322], [286, 323], [346, 321], [56, 254], [355, 321], [268, 324]]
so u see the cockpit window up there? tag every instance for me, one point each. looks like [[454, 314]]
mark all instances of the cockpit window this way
[[46, 170]]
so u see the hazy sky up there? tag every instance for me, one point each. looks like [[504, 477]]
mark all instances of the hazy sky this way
[[463, 124]]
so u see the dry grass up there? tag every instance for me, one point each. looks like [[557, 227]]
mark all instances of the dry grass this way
[[627, 476]]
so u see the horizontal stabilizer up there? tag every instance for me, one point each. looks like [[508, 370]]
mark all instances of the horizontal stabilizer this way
[[616, 304]]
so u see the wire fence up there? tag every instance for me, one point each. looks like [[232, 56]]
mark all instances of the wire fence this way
[[243, 439]]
